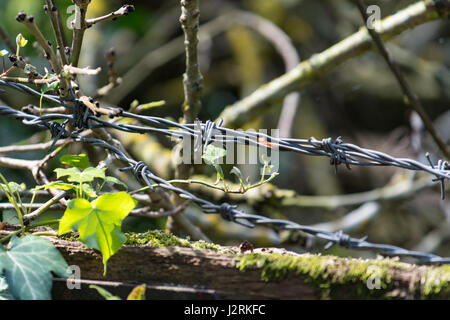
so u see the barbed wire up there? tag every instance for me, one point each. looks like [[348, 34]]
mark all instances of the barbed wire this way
[[337, 151]]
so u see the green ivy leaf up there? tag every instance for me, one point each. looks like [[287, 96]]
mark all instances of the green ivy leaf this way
[[75, 175], [213, 154], [138, 293], [5, 294], [99, 222], [219, 171], [27, 267], [87, 189], [104, 293], [56, 185], [46, 87], [238, 174], [13, 187], [80, 161], [113, 180]]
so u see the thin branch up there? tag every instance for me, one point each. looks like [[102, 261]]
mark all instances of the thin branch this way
[[29, 22], [7, 40], [39, 146], [413, 102], [192, 78], [40, 208], [79, 27], [20, 63], [282, 43], [31, 109], [142, 68], [52, 11], [322, 63], [398, 190], [123, 11], [85, 71], [147, 212], [353, 219], [30, 80], [114, 80], [268, 193], [18, 163], [194, 231]]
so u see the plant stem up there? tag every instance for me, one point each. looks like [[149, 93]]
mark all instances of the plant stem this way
[[24, 229]]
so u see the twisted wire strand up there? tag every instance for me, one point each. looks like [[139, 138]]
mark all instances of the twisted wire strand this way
[[209, 132], [227, 211]]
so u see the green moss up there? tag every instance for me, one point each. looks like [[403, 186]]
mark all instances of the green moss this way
[[158, 238], [342, 277], [334, 277], [71, 236], [435, 280]]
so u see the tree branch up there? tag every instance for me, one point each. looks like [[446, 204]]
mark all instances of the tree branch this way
[[192, 79], [412, 100], [7, 40], [29, 22], [320, 64], [123, 11], [52, 11], [79, 27]]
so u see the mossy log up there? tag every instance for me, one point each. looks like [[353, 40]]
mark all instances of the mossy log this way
[[174, 268]]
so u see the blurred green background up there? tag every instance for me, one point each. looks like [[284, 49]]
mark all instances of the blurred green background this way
[[359, 101]]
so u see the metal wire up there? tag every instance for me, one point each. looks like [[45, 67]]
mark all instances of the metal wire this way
[[336, 150]]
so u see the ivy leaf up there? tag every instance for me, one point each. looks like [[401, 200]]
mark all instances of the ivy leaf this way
[[27, 267], [56, 185], [113, 180], [99, 222], [13, 187], [238, 174], [80, 161], [4, 53], [87, 189], [138, 293], [46, 87], [75, 175], [21, 41], [5, 294], [213, 154], [104, 293], [219, 171]]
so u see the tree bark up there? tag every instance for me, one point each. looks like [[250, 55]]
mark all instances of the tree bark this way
[[186, 273]]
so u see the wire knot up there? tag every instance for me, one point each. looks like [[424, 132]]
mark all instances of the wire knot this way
[[56, 130], [344, 240], [336, 154], [81, 116], [140, 172], [226, 210], [441, 166], [206, 133]]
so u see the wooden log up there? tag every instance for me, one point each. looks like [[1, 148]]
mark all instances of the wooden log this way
[[174, 268], [183, 272]]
